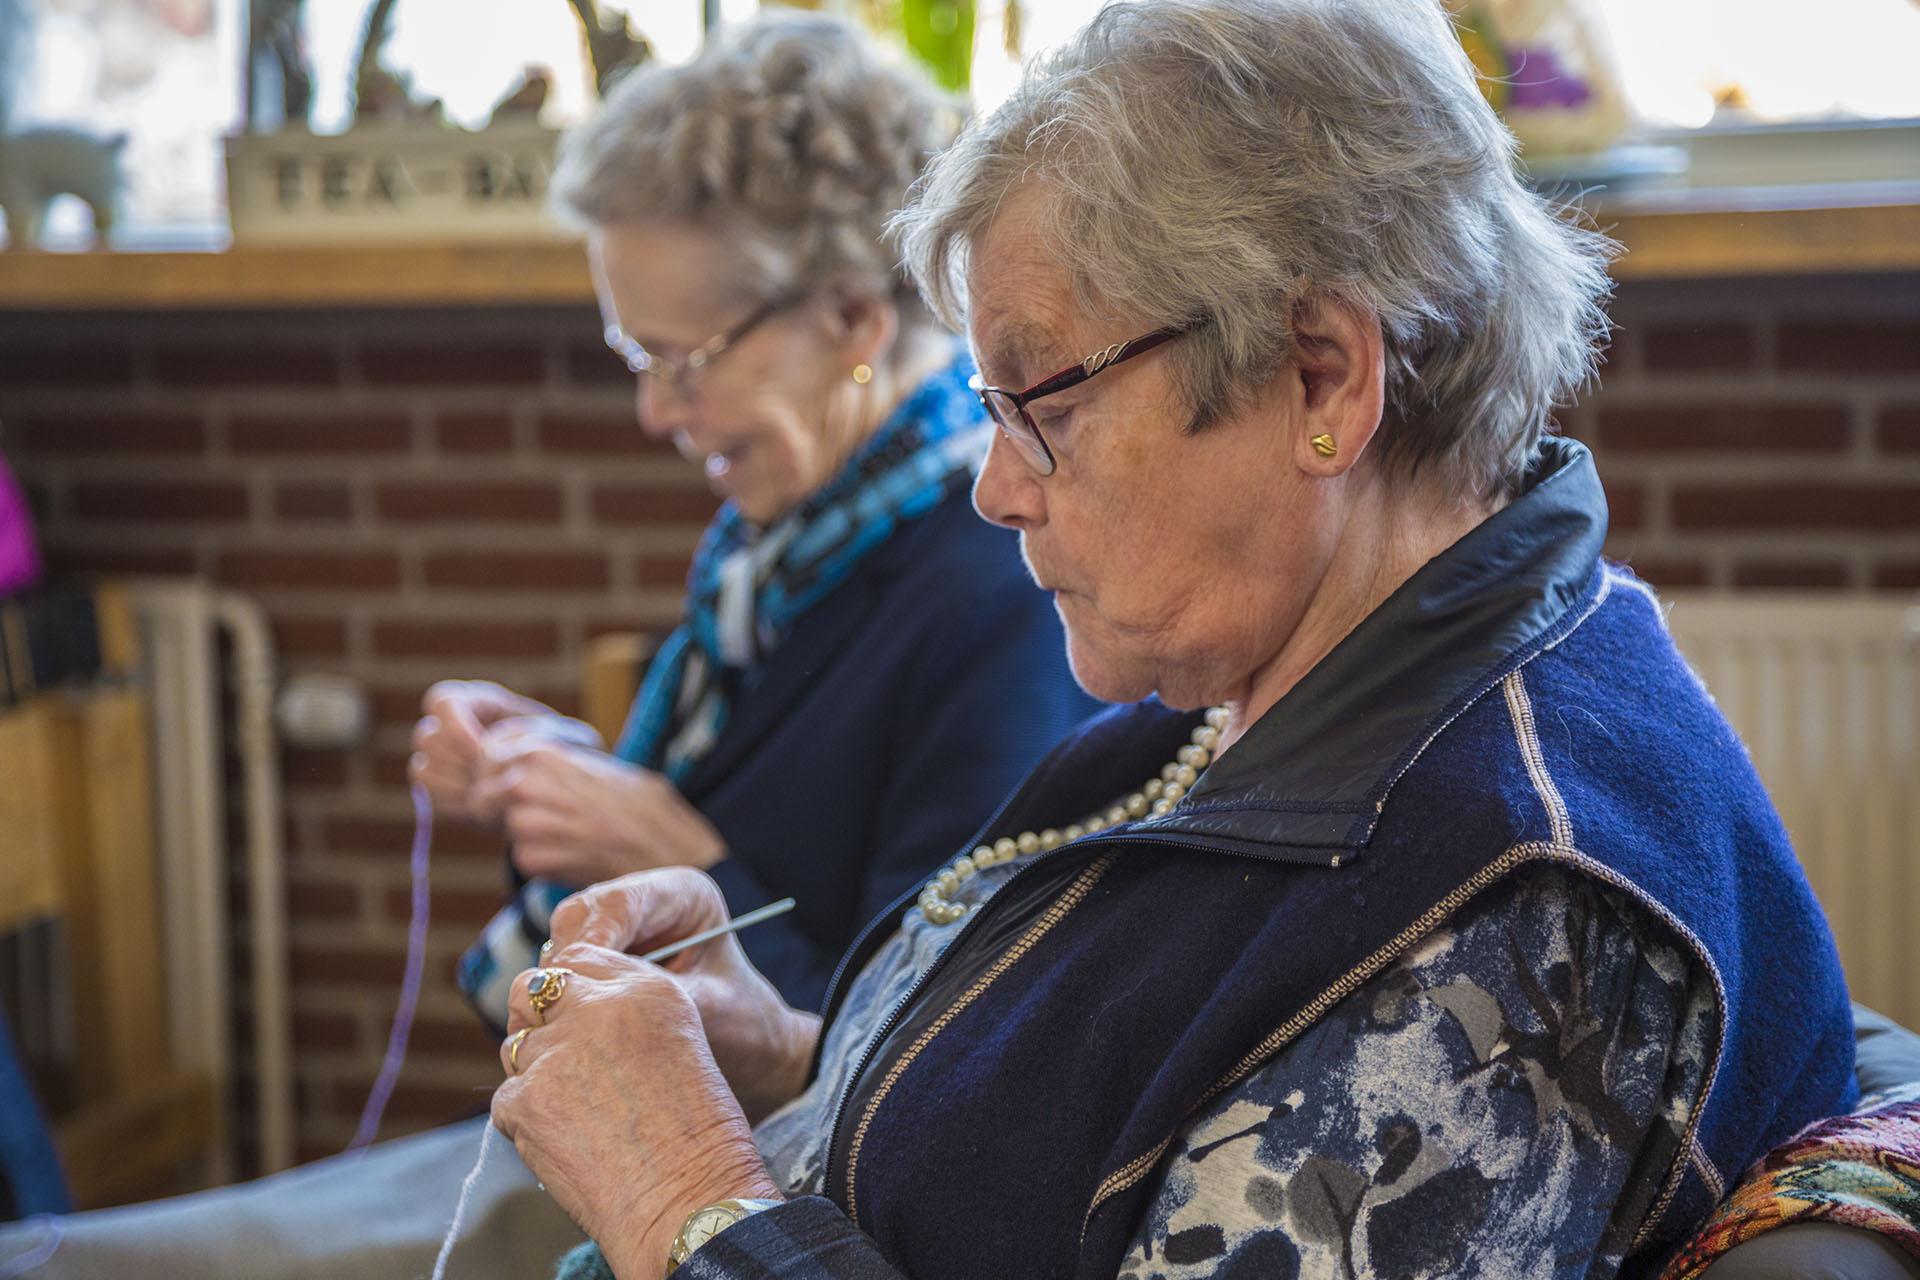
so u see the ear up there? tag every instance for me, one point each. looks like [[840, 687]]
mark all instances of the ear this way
[[861, 323], [1340, 359]]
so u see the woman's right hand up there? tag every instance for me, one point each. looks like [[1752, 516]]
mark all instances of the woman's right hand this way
[[762, 1045], [448, 751]]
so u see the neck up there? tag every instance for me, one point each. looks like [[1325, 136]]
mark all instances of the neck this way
[[1386, 537]]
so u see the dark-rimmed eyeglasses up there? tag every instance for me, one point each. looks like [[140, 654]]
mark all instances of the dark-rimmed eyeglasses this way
[[679, 375], [1008, 409]]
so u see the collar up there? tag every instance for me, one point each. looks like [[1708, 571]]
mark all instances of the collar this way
[[1313, 773]]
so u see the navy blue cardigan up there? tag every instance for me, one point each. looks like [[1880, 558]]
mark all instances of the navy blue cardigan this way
[[899, 711], [1515, 701]]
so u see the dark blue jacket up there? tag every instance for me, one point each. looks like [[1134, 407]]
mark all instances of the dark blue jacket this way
[[899, 711], [1516, 701]]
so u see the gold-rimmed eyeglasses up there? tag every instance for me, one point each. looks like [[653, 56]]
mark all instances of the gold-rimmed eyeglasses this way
[[1008, 409], [680, 374]]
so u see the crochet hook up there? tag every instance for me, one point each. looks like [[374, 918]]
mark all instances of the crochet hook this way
[[755, 916]]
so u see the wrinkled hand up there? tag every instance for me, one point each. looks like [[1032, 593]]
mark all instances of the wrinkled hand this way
[[761, 1044], [633, 1097], [619, 1109], [581, 816], [449, 738]]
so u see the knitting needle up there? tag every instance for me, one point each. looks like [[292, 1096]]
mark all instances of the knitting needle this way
[[767, 912]]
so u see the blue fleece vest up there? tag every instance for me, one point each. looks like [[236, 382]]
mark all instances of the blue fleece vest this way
[[1517, 701]]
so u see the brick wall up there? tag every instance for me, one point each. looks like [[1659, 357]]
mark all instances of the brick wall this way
[[412, 495]]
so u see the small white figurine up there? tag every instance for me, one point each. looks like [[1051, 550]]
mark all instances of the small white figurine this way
[[38, 164]]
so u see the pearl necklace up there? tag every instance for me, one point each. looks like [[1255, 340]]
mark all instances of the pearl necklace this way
[[1157, 797]]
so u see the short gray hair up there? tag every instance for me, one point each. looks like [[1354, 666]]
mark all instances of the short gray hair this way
[[795, 136], [1216, 162]]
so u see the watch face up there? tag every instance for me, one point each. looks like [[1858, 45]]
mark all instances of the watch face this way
[[706, 1224]]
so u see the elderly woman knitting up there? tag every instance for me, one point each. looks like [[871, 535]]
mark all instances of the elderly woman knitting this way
[[1422, 916], [857, 647]]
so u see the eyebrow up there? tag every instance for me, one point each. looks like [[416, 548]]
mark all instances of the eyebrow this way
[[1020, 347]]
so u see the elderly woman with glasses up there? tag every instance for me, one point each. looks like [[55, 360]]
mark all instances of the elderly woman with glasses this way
[[863, 669], [1420, 916]]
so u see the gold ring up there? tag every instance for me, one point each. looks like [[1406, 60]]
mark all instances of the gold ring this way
[[513, 1048], [546, 947], [544, 991]]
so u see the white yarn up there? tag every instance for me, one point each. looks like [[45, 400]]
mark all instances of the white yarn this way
[[460, 1208]]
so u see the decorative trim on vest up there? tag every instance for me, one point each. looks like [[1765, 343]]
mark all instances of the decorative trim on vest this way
[[1069, 899]]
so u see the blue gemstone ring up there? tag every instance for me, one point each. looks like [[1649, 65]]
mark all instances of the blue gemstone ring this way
[[544, 991]]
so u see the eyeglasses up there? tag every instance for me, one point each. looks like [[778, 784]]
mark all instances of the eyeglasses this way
[[679, 374], [1008, 409]]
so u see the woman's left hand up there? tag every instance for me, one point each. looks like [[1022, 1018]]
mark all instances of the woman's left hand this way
[[581, 816], [618, 1108]]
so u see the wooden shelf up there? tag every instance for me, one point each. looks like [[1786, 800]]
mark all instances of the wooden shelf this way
[[1663, 244]]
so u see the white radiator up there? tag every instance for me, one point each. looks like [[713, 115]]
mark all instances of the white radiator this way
[[1826, 692], [181, 622]]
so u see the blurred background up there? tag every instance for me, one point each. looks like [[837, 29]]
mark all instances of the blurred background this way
[[308, 407]]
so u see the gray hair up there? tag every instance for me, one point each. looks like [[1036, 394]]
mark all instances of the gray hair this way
[[1218, 162], [794, 136]]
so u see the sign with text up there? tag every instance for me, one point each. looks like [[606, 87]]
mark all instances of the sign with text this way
[[410, 182]]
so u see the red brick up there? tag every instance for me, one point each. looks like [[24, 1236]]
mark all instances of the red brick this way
[[605, 435], [309, 569], [1865, 507], [1897, 575], [396, 704], [243, 364], [325, 1031], [66, 433], [1788, 573], [472, 907], [309, 899], [457, 364], [119, 560], [65, 364], [1670, 572], [1698, 348], [366, 965], [329, 433], [1898, 430], [1626, 504], [393, 838], [313, 768], [463, 1037], [310, 637], [317, 502], [627, 504], [453, 638], [519, 570], [505, 502], [1725, 428], [473, 433], [437, 1103], [186, 500], [1879, 346], [662, 570], [593, 364]]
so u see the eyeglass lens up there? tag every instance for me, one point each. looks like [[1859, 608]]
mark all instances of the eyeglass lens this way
[[1020, 432]]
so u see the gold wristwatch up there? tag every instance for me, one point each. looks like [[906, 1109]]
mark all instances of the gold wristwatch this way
[[703, 1225]]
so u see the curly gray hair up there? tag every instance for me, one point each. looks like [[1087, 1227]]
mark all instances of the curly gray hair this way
[[795, 136], [1216, 162]]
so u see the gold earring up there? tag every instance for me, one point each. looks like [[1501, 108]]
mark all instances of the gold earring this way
[[863, 374], [1324, 446]]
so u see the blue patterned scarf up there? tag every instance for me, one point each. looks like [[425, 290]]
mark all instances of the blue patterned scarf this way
[[748, 586]]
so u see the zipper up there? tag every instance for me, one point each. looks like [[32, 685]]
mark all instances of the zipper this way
[[932, 971]]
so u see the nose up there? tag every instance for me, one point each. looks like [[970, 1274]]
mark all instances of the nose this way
[[1008, 491], [661, 408]]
